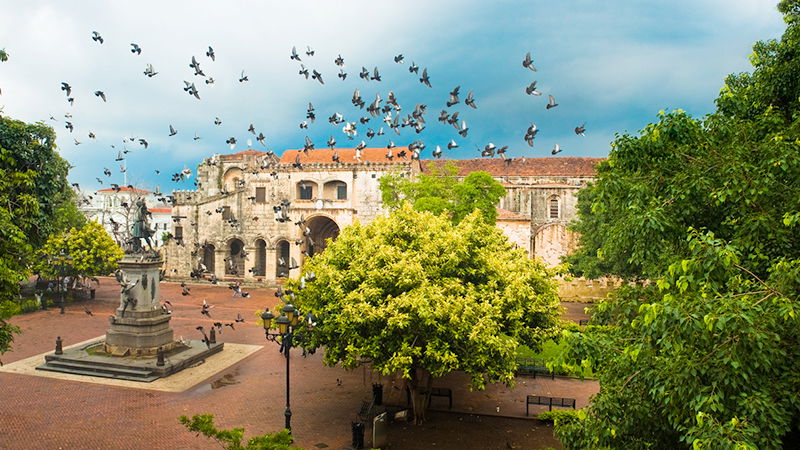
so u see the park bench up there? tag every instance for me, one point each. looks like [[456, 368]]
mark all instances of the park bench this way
[[533, 366], [440, 392], [549, 402], [435, 392], [366, 409], [583, 322]]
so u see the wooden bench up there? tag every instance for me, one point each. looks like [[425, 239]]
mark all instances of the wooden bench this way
[[549, 402], [583, 322], [534, 366]]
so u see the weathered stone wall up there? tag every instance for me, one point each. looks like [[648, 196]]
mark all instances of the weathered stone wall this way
[[518, 232], [552, 241], [224, 208]]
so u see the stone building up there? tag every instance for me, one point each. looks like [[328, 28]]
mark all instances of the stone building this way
[[235, 225]]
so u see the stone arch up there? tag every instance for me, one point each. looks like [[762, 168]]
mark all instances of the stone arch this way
[[209, 257], [234, 257], [553, 241], [282, 258], [260, 267], [322, 228], [231, 178]]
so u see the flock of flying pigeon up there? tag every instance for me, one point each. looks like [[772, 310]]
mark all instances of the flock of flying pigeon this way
[[386, 112]]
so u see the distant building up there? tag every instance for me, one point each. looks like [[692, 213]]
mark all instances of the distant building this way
[[228, 226], [112, 208]]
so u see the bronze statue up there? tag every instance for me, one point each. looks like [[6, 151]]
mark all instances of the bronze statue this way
[[141, 228]]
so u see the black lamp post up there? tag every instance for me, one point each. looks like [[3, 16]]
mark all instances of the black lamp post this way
[[287, 323], [61, 262]]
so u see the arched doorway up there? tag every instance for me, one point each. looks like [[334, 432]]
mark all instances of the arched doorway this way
[[260, 268], [208, 257], [234, 264], [282, 259], [322, 228]]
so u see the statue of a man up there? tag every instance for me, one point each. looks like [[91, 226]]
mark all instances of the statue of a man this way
[[141, 227]]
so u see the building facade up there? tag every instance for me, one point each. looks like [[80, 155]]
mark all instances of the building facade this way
[[256, 217]]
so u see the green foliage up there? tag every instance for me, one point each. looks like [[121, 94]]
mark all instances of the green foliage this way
[[7, 331], [412, 291], [87, 251], [440, 192], [706, 355], [232, 439], [562, 417], [3, 55], [35, 200]]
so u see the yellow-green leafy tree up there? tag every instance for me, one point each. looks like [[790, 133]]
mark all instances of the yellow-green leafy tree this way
[[415, 295], [80, 252]]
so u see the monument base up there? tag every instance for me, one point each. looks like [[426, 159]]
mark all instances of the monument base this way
[[93, 360]]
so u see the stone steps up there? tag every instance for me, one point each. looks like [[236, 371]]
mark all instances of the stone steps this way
[[99, 370]]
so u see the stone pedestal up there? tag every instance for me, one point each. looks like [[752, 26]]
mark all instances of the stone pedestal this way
[[139, 326]]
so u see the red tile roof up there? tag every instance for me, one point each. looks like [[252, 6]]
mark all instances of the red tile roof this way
[[504, 214], [126, 189], [346, 155], [241, 155], [554, 166]]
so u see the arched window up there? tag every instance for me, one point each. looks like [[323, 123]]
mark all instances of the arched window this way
[[554, 212], [335, 190], [306, 190]]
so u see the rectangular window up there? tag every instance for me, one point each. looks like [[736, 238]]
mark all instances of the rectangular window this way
[[554, 208], [261, 195], [341, 192], [305, 193], [179, 233], [226, 213]]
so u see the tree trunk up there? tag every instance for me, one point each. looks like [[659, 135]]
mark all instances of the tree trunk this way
[[419, 403]]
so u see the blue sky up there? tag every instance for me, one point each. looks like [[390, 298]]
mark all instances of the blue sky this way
[[611, 64]]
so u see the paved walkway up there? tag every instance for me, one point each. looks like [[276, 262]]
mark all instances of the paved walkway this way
[[47, 413]]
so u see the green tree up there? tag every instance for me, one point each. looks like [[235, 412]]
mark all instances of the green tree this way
[[89, 249], [35, 201], [232, 439], [441, 191], [412, 294], [705, 355], [3, 55]]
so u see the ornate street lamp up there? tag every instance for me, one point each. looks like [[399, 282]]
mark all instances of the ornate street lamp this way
[[288, 322], [61, 262]]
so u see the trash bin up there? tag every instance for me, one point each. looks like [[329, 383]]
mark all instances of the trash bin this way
[[91, 293], [379, 430], [377, 394], [358, 434]]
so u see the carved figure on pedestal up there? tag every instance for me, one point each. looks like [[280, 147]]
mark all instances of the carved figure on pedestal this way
[[141, 228]]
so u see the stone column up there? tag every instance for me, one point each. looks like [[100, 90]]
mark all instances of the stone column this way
[[139, 327], [219, 262], [271, 265]]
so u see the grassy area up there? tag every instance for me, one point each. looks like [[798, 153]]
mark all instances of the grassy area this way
[[550, 350]]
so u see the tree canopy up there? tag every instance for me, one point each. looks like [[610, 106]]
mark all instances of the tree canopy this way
[[36, 200], [87, 251], [709, 211], [441, 191], [417, 296]]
